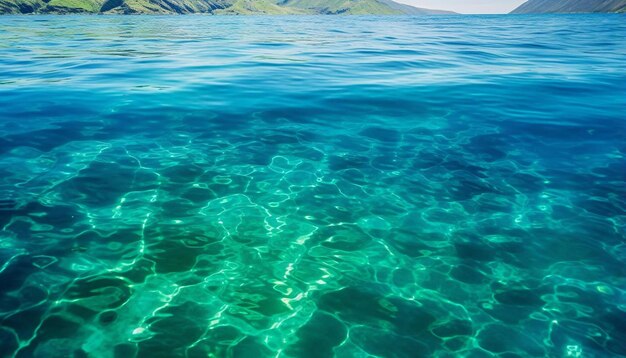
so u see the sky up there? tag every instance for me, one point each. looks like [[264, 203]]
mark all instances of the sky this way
[[468, 6]]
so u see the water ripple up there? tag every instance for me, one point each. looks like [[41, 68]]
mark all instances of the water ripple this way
[[312, 186]]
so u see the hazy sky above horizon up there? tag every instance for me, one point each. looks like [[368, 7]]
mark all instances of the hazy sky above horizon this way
[[468, 6]]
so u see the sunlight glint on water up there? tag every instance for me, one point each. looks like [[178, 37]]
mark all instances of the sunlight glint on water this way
[[312, 186]]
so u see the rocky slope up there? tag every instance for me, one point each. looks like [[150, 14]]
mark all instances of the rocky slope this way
[[217, 7], [570, 6]]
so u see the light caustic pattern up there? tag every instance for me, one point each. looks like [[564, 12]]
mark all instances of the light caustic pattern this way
[[312, 186]]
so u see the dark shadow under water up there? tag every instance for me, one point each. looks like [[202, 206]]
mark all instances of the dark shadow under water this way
[[404, 187]]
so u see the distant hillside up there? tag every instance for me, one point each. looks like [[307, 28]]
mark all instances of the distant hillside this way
[[570, 6], [215, 7], [412, 10]]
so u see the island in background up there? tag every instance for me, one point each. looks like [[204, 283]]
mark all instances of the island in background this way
[[281, 7], [570, 6], [215, 7]]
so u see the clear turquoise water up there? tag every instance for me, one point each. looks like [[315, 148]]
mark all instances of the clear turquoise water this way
[[312, 186]]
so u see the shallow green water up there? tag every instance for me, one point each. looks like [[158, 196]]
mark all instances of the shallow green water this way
[[312, 186]]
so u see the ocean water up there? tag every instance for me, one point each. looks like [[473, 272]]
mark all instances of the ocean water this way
[[196, 186]]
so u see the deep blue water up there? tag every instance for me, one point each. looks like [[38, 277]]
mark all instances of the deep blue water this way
[[193, 186]]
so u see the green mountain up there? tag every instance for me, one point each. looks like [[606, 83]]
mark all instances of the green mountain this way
[[412, 10], [216, 7], [570, 6]]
